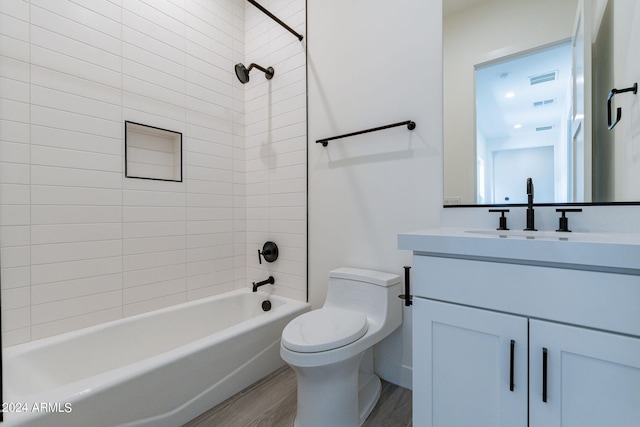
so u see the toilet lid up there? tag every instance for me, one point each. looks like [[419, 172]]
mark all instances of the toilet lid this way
[[323, 329]]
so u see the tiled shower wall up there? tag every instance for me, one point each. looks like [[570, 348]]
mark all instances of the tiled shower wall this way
[[80, 243]]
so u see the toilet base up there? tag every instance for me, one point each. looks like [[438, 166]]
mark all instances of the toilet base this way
[[339, 394], [368, 394]]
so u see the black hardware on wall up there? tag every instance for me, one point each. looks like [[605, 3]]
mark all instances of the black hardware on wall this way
[[269, 252], [407, 297], [614, 92], [272, 16], [325, 141]]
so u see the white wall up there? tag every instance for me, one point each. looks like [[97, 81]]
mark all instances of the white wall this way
[[83, 245], [372, 64]]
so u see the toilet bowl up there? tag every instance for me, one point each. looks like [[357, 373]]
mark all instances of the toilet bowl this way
[[331, 348]]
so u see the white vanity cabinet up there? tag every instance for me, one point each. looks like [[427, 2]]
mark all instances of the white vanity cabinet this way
[[511, 341], [466, 370], [592, 377]]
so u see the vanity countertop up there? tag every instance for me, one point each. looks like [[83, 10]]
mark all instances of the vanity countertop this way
[[608, 252]]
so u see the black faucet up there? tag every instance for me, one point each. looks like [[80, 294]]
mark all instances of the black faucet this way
[[269, 281], [530, 214]]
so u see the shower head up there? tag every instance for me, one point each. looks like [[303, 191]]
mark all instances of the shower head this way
[[243, 72]]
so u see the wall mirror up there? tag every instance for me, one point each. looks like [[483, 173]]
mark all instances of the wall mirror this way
[[526, 84]]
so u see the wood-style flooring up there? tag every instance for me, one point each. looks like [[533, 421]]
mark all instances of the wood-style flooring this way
[[271, 402]]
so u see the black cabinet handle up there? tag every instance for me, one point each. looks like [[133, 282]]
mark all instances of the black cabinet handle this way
[[544, 374], [511, 365]]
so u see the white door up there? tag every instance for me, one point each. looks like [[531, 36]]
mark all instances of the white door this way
[[592, 377], [465, 370]]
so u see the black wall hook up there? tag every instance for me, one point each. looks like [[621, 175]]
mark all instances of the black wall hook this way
[[614, 92]]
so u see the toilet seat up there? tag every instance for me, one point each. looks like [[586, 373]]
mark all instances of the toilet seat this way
[[324, 329]]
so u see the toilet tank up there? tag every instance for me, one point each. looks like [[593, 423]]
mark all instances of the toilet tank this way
[[375, 293]]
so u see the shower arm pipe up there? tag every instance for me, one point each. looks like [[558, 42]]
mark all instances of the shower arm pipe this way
[[411, 125], [275, 18]]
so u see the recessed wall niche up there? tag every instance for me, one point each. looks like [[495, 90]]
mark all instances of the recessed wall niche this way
[[152, 153]]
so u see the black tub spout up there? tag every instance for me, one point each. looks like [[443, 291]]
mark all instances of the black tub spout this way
[[269, 281]]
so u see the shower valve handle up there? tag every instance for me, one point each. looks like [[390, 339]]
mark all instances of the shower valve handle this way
[[269, 252]]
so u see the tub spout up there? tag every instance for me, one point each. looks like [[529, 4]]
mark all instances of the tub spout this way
[[269, 281]]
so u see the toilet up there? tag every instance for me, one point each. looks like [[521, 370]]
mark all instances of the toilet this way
[[331, 348]]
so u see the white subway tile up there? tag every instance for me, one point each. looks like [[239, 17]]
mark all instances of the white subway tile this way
[[91, 143], [14, 48], [14, 235], [200, 240], [52, 195], [15, 336], [54, 214], [65, 233], [16, 318], [209, 290], [17, 9], [16, 298], [153, 244], [46, 273], [77, 67], [58, 119], [208, 227], [14, 214], [57, 310], [134, 230], [68, 289], [77, 24], [14, 90], [62, 252], [102, 17], [14, 132], [48, 175], [153, 259], [154, 275], [44, 330], [153, 198], [16, 111], [154, 290]]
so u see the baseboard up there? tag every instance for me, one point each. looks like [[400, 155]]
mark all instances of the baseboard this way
[[394, 372]]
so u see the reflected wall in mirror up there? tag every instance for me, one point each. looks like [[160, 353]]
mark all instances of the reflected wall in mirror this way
[[512, 109]]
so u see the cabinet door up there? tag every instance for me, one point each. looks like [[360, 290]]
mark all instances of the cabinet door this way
[[462, 366], [592, 377]]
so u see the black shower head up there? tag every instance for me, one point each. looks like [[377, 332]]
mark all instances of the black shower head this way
[[243, 72]]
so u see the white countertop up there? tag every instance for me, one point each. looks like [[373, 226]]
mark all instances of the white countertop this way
[[611, 252]]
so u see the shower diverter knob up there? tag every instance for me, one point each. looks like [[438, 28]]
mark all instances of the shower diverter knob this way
[[269, 252]]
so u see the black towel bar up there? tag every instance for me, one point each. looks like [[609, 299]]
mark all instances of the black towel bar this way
[[411, 125]]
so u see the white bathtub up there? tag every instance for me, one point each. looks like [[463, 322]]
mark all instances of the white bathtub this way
[[161, 368]]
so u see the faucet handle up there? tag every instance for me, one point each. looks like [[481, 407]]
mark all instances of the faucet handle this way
[[564, 221], [503, 219], [269, 252]]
